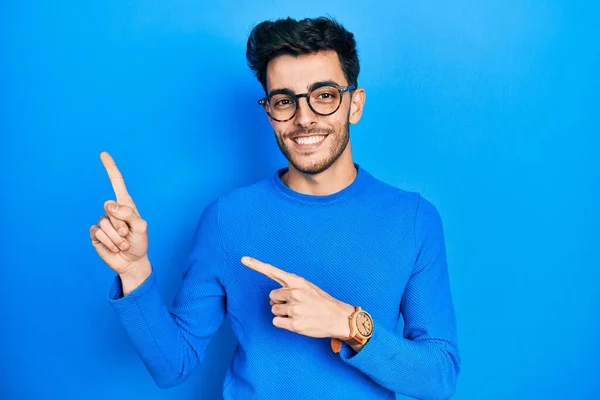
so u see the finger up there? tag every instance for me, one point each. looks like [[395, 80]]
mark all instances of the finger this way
[[282, 295], [116, 179], [120, 226], [281, 310], [129, 215], [276, 274], [284, 323], [107, 227], [103, 238], [102, 250]]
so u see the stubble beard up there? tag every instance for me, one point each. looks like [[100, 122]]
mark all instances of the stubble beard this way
[[336, 148]]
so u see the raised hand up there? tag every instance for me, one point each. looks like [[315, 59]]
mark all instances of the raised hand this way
[[301, 306], [120, 237]]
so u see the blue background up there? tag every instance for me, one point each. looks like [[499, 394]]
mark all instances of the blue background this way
[[489, 109]]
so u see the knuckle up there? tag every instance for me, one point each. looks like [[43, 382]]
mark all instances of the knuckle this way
[[293, 310], [296, 324], [297, 295], [143, 224]]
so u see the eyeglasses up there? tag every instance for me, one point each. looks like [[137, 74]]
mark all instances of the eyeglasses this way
[[282, 104]]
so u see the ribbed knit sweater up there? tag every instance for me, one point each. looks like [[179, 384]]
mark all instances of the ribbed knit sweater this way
[[371, 245]]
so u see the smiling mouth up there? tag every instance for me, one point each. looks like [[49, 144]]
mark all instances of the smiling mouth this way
[[309, 140]]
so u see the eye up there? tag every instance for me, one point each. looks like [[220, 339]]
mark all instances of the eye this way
[[282, 102]]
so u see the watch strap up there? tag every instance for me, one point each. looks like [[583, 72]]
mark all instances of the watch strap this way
[[357, 339]]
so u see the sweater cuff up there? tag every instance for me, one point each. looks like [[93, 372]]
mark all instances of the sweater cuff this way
[[115, 291], [370, 356]]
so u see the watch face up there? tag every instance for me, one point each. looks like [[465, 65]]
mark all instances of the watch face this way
[[364, 324]]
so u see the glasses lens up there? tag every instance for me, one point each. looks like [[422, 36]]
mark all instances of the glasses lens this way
[[325, 99], [282, 106]]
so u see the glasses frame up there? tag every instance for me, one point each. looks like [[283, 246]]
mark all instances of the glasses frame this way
[[265, 101]]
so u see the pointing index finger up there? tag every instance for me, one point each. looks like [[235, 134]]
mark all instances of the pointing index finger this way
[[278, 275], [116, 179]]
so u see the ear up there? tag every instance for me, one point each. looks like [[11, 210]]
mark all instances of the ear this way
[[356, 105]]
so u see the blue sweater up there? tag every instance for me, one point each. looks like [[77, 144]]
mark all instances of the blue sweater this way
[[370, 245]]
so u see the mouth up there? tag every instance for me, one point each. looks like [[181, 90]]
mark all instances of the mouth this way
[[311, 142]]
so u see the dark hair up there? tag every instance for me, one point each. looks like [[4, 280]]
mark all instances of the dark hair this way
[[270, 39]]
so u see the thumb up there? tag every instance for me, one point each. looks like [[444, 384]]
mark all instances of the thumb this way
[[129, 215]]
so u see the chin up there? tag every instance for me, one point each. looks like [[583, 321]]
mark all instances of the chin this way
[[311, 167]]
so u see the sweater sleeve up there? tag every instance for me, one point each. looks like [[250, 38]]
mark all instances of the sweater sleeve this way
[[172, 340], [424, 361]]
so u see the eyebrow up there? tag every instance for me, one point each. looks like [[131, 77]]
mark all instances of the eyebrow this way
[[310, 87]]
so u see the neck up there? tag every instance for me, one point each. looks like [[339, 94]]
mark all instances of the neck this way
[[335, 178]]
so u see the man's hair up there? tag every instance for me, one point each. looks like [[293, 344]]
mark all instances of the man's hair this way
[[270, 39]]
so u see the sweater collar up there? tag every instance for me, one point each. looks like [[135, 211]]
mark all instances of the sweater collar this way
[[360, 181]]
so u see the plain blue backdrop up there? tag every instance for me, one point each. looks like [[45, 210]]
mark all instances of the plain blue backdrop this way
[[489, 109]]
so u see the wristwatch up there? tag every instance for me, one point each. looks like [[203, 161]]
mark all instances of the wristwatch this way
[[361, 329]]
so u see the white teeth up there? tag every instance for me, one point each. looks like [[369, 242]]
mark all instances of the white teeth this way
[[309, 139]]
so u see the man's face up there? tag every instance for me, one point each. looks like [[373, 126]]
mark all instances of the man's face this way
[[325, 138]]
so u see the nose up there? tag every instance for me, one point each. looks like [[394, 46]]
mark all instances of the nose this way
[[305, 117]]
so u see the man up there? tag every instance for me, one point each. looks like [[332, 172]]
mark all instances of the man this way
[[314, 266]]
